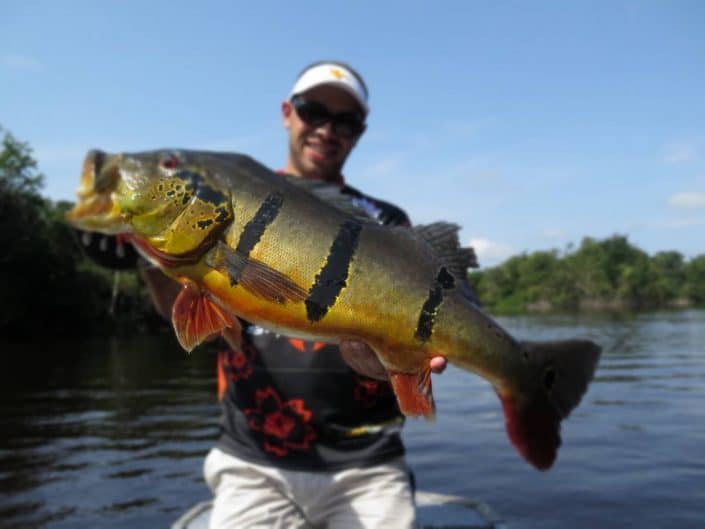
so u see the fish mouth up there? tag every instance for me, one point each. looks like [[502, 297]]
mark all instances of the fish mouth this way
[[95, 209]]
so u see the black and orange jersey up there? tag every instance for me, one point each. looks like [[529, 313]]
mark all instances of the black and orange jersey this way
[[297, 405]]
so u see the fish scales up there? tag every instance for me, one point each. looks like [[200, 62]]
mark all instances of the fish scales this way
[[378, 279], [298, 258]]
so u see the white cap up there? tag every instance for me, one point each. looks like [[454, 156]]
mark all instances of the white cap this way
[[333, 74]]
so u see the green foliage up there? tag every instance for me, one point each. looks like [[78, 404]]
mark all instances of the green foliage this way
[[610, 273], [694, 273], [46, 284]]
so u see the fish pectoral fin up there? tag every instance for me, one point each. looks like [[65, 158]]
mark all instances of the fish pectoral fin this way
[[270, 284], [256, 276], [196, 317], [414, 393]]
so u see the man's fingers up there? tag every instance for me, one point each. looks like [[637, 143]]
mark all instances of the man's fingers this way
[[438, 364], [362, 359]]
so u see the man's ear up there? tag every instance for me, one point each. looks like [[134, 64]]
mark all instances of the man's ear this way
[[357, 138], [287, 110]]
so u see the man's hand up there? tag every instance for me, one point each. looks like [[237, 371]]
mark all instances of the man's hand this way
[[364, 360]]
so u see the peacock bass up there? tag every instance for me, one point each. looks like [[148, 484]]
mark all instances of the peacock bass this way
[[298, 257]]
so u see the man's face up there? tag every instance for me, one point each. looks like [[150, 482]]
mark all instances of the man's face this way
[[318, 152]]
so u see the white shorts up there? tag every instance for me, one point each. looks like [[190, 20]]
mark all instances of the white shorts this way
[[257, 496]]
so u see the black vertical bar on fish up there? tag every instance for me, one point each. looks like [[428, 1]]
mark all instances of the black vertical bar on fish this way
[[427, 317], [253, 231], [332, 277]]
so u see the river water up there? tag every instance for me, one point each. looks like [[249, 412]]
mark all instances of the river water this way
[[112, 433]]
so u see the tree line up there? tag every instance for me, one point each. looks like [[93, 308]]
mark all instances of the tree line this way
[[49, 287], [600, 274]]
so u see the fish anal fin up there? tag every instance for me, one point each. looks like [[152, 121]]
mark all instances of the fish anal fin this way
[[414, 393], [196, 317]]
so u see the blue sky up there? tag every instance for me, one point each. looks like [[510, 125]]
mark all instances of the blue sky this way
[[530, 124]]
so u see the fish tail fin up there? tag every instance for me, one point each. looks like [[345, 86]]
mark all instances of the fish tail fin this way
[[558, 376]]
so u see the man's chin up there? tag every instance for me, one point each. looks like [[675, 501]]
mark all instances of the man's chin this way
[[322, 168]]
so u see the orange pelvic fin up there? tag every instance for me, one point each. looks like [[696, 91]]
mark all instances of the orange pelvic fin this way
[[414, 393], [196, 317]]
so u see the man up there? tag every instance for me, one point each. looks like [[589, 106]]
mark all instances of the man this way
[[307, 441]]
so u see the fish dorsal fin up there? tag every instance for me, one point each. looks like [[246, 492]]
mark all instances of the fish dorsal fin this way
[[331, 194], [443, 238]]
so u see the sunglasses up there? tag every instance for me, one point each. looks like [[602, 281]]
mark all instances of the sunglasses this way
[[344, 124]]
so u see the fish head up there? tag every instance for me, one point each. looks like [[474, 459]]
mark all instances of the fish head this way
[[95, 210], [167, 199]]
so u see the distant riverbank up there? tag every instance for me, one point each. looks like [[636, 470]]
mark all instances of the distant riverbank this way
[[600, 275]]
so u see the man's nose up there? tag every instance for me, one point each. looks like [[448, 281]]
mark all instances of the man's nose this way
[[325, 129]]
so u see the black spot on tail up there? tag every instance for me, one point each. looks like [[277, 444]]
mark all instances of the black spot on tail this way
[[332, 278]]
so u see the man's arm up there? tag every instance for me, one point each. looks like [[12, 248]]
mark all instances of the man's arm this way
[[364, 360]]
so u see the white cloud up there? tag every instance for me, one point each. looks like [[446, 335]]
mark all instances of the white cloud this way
[[16, 61], [687, 200], [553, 233], [489, 252], [683, 223], [682, 151]]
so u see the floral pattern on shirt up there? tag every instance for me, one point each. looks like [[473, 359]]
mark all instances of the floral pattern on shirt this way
[[282, 425], [368, 392], [237, 364]]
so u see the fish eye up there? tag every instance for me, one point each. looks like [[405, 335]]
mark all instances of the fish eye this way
[[169, 162]]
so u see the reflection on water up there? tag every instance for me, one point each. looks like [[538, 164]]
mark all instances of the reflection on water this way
[[112, 433], [633, 453], [104, 433]]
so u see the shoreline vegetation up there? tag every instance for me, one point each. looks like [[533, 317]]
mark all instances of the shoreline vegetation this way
[[599, 276], [48, 283]]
